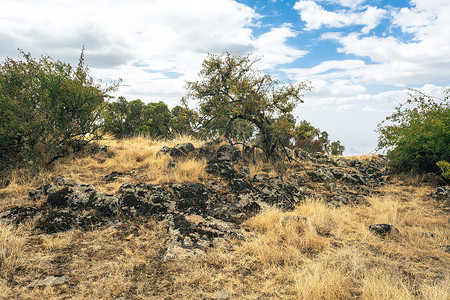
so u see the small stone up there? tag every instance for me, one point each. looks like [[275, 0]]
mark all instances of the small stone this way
[[50, 280], [382, 229], [222, 295]]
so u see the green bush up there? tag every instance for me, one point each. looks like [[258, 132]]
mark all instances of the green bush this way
[[445, 168], [46, 107], [417, 135]]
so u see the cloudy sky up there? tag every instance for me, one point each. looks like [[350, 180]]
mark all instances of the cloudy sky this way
[[361, 56]]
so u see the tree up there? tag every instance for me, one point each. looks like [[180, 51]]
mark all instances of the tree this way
[[230, 90], [183, 120], [126, 119], [417, 134], [312, 139], [46, 106]]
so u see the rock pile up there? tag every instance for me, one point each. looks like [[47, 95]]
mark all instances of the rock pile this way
[[200, 215]]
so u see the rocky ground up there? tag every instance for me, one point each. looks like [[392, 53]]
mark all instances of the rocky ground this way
[[200, 216]]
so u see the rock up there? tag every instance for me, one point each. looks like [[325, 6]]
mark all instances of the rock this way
[[260, 177], [221, 295], [181, 150], [442, 193], [75, 197], [240, 185], [171, 164], [18, 215], [112, 176], [220, 242], [221, 164], [205, 153], [382, 229], [176, 251], [65, 181], [315, 177], [244, 172], [49, 281], [56, 221], [106, 205]]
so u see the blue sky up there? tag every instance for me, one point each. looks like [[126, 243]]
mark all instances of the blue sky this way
[[360, 56]]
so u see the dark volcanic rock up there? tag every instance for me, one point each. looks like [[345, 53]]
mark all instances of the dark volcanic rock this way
[[221, 164], [382, 229], [18, 215], [56, 221], [442, 193], [181, 150]]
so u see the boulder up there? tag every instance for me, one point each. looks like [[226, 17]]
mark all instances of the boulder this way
[[181, 150]]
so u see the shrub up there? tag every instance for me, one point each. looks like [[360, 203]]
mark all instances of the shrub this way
[[417, 134], [46, 107], [445, 168]]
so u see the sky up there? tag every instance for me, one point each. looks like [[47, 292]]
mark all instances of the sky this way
[[361, 57]]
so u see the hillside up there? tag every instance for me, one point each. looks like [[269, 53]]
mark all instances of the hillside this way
[[186, 219]]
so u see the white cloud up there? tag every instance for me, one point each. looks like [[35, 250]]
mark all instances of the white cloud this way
[[273, 50], [315, 16], [143, 42]]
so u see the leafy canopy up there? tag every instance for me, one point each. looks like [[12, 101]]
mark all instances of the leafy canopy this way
[[417, 134], [45, 106], [236, 99]]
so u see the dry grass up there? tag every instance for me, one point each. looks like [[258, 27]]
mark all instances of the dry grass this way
[[313, 252], [137, 159]]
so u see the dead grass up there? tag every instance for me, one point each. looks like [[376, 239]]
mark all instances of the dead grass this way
[[313, 252]]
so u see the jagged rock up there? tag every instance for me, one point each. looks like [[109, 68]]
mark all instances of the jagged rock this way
[[382, 229], [18, 215], [106, 205], [56, 221], [75, 197], [280, 193], [240, 185], [206, 153], [442, 193], [222, 162], [244, 172], [181, 150]]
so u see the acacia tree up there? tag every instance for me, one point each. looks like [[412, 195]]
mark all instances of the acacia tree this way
[[230, 90]]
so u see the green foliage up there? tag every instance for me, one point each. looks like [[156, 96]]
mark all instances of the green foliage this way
[[45, 106], [417, 134], [126, 119], [311, 139], [445, 168], [239, 101], [336, 148]]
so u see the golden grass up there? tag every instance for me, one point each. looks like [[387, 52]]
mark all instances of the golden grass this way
[[312, 252]]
